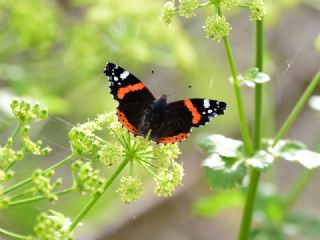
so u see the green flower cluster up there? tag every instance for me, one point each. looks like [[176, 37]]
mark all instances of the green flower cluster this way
[[110, 153], [26, 113], [258, 9], [168, 11], [42, 184], [8, 156], [187, 7], [87, 179], [124, 147], [130, 189], [228, 4], [52, 227], [216, 27], [32, 147], [167, 180]]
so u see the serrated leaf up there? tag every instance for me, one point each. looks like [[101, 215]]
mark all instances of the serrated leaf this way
[[223, 172], [295, 151], [286, 148], [307, 158], [261, 160], [213, 205], [223, 146]]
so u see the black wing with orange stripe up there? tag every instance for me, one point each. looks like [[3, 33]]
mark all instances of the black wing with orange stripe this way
[[182, 116], [132, 95]]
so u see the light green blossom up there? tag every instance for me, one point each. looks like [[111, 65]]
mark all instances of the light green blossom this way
[[216, 27], [168, 11], [52, 227], [87, 178], [258, 9], [187, 7], [42, 184], [130, 189], [110, 153]]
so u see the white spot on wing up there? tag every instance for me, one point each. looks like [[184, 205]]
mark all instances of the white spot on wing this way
[[206, 103], [124, 75], [209, 111], [115, 78]]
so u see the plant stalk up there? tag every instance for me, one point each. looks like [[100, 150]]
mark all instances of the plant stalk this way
[[254, 173], [237, 90], [96, 196], [28, 180], [298, 107], [38, 198], [12, 235]]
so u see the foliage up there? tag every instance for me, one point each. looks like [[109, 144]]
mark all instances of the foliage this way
[[230, 160], [87, 150]]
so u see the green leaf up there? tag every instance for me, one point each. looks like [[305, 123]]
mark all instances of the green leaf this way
[[216, 203], [286, 148], [251, 73], [223, 146], [261, 160], [295, 151], [307, 158], [223, 172], [253, 76]]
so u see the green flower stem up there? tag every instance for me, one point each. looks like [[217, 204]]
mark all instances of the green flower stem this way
[[12, 235], [16, 131], [202, 5], [243, 122], [298, 107], [298, 188], [96, 196], [254, 173], [20, 194], [28, 180], [148, 169], [37, 198], [13, 137]]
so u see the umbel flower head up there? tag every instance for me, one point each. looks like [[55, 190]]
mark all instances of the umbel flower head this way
[[216, 27], [258, 9], [158, 160], [52, 226]]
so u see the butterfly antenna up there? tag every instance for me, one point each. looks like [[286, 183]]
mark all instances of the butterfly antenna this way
[[179, 90]]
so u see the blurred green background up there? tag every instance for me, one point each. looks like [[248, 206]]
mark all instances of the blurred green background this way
[[54, 52]]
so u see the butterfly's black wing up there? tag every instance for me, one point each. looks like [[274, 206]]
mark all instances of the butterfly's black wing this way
[[182, 116], [133, 96]]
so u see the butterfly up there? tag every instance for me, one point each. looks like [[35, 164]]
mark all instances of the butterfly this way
[[142, 114]]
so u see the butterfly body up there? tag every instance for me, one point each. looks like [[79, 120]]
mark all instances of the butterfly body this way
[[140, 112]]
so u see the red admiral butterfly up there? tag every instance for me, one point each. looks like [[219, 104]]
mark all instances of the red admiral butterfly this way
[[139, 111]]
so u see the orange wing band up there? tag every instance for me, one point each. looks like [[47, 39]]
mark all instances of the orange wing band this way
[[196, 117], [131, 88], [174, 139], [125, 123]]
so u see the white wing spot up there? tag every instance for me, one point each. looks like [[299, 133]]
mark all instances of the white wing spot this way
[[209, 111], [206, 103], [203, 112], [119, 83], [124, 75], [115, 78]]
